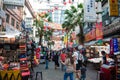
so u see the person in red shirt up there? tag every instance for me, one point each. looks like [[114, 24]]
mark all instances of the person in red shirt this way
[[62, 58]]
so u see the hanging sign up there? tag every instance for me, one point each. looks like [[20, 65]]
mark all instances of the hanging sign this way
[[115, 44], [89, 11], [113, 8], [99, 32]]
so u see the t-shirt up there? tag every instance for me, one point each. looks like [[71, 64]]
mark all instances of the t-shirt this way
[[69, 66], [63, 57], [78, 56], [75, 54], [83, 71]]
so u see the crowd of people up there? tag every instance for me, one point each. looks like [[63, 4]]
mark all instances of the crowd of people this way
[[72, 61]]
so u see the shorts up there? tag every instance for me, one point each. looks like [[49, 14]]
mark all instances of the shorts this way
[[78, 67]]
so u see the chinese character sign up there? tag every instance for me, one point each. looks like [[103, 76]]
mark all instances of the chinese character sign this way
[[99, 32], [113, 8], [115, 44], [89, 11]]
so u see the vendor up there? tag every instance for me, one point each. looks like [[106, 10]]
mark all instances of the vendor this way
[[104, 57]]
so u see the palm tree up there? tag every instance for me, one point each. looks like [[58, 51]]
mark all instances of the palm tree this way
[[74, 17], [39, 23]]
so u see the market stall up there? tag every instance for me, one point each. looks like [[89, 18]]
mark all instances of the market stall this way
[[14, 63]]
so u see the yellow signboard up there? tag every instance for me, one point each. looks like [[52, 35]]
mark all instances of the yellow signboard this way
[[113, 8]]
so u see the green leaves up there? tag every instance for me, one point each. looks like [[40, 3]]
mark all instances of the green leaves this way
[[74, 17]]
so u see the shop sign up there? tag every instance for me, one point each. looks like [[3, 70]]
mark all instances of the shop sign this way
[[15, 2], [115, 44], [89, 11], [99, 32], [113, 8]]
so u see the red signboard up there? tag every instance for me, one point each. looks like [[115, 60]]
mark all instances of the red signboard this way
[[90, 36], [99, 32]]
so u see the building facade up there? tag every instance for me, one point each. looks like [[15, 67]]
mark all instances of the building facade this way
[[110, 25]]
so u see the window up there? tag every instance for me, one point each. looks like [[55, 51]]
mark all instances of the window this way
[[12, 22], [17, 25], [7, 18]]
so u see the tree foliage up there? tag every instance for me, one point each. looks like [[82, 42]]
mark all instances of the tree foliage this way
[[73, 18]]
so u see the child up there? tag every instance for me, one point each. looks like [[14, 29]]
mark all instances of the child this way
[[83, 72]]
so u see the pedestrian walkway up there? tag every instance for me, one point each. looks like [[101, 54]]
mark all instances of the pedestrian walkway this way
[[52, 74]]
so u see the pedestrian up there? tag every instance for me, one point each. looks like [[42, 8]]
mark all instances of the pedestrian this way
[[55, 59], [78, 57], [104, 59], [47, 58], [70, 66], [62, 58], [83, 72]]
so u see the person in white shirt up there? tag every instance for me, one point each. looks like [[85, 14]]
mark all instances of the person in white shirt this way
[[78, 61]]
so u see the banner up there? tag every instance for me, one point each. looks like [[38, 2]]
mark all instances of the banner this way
[[113, 8], [99, 32], [65, 39], [89, 11], [90, 36], [115, 44]]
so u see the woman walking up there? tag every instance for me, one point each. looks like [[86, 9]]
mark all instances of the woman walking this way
[[70, 66]]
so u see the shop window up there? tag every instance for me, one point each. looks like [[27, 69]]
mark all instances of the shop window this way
[[12, 22], [7, 18], [17, 25]]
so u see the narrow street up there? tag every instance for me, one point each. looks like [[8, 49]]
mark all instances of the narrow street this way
[[52, 74]]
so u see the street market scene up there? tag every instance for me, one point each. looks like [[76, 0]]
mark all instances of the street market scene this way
[[59, 39]]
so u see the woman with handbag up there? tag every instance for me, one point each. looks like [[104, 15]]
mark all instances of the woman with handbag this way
[[70, 66]]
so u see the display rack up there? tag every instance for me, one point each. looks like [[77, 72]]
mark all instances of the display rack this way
[[23, 59]]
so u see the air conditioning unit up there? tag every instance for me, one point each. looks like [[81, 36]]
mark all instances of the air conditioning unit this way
[[107, 22]]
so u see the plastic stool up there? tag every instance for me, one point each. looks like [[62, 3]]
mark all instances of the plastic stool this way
[[37, 75]]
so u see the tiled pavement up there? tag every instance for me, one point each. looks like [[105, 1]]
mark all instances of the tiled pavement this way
[[52, 74]]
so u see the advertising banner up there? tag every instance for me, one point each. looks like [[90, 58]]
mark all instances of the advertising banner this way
[[90, 36], [115, 44], [89, 11], [14, 2], [113, 8], [99, 32]]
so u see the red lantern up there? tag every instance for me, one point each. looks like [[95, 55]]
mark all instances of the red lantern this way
[[70, 1], [64, 3], [56, 8], [45, 28]]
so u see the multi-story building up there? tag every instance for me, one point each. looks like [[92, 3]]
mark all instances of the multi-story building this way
[[2, 16], [15, 14], [110, 25]]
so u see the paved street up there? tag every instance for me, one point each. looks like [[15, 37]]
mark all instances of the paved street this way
[[52, 74]]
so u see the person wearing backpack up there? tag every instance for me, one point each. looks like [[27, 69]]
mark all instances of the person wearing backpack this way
[[70, 66]]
